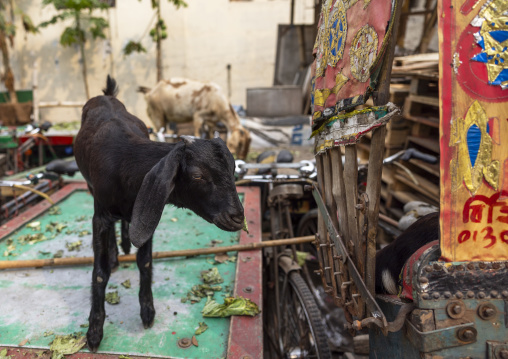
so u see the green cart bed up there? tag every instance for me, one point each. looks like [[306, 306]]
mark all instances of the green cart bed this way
[[38, 303]]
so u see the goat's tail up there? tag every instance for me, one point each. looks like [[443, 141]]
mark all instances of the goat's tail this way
[[144, 89], [111, 87]]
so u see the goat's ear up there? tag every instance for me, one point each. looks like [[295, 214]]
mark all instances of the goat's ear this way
[[153, 195]]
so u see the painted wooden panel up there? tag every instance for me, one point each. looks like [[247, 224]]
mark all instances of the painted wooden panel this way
[[473, 36], [350, 47]]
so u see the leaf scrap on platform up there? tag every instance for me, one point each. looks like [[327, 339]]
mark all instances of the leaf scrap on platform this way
[[67, 344], [112, 297], [231, 306], [212, 276], [202, 328]]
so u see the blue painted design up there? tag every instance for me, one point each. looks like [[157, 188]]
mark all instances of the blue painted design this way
[[499, 35], [474, 139], [502, 77], [330, 40], [481, 57]]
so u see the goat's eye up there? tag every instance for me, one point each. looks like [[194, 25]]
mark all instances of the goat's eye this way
[[197, 177]]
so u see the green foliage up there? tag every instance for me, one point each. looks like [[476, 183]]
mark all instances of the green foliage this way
[[157, 33], [133, 46], [81, 12], [28, 25], [71, 36], [8, 26]]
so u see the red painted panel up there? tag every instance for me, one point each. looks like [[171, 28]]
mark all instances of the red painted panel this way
[[246, 333]]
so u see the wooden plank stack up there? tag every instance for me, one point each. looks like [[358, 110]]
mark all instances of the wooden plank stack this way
[[415, 89]]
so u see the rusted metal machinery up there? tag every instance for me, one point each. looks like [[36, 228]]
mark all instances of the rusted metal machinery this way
[[454, 291]]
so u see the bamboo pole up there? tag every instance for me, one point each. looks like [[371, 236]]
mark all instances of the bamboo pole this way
[[55, 262]]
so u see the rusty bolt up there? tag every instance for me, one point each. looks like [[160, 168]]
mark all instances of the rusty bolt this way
[[447, 295], [436, 295], [184, 343], [481, 295], [455, 309], [503, 354], [428, 268], [470, 294], [248, 289], [459, 295], [496, 265], [460, 267], [505, 293], [467, 334], [425, 296], [424, 280], [482, 265], [470, 266], [494, 293], [437, 266], [487, 311]]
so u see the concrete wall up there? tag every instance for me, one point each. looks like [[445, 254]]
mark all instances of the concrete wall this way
[[202, 39]]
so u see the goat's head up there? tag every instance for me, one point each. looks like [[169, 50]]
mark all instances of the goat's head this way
[[198, 175]]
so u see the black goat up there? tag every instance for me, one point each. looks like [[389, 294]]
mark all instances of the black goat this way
[[391, 259], [131, 179]]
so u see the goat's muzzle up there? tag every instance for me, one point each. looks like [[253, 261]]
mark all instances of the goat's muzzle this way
[[229, 222]]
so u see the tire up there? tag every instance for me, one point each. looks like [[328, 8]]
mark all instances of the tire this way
[[303, 330]]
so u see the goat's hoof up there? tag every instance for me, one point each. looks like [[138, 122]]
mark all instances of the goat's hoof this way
[[93, 340], [114, 268], [147, 317], [148, 325]]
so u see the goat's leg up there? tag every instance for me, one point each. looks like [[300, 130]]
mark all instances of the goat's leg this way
[[126, 243], [103, 230], [144, 261], [113, 251], [199, 119]]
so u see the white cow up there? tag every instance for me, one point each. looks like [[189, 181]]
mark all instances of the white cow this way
[[180, 100]]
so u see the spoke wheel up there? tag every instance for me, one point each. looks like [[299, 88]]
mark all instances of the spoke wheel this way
[[307, 226], [301, 328]]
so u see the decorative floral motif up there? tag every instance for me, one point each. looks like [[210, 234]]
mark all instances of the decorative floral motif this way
[[333, 31], [363, 52]]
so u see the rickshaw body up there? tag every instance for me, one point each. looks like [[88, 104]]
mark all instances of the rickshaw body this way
[[453, 296]]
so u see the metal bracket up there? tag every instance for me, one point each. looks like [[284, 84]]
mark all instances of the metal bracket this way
[[455, 336], [371, 303]]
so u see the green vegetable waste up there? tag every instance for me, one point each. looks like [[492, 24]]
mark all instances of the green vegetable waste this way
[[200, 291], [67, 344], [3, 354], [112, 297], [245, 227], [231, 306], [212, 276], [202, 328]]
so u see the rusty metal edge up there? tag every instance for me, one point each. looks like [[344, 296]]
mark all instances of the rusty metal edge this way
[[374, 308]]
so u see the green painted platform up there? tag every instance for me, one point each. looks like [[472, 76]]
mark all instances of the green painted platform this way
[[36, 304]]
